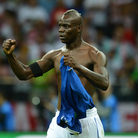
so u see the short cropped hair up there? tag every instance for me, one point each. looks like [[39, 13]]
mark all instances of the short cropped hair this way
[[72, 11]]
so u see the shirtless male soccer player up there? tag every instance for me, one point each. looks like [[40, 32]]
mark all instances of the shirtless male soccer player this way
[[88, 62]]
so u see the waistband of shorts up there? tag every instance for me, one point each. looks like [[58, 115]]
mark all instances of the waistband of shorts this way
[[89, 112]]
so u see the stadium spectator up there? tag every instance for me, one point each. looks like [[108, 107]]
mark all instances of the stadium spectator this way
[[6, 114]]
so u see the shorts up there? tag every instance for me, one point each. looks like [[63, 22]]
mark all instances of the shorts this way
[[91, 127]]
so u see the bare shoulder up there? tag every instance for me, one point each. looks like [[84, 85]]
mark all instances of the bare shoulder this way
[[47, 61], [101, 59], [97, 56], [52, 54]]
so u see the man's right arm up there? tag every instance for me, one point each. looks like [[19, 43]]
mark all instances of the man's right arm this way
[[25, 72]]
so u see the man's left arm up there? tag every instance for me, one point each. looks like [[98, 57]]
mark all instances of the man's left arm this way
[[99, 76]]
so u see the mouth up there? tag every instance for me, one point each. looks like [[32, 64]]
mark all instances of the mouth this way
[[62, 37]]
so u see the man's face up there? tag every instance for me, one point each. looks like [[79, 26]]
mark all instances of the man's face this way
[[67, 29]]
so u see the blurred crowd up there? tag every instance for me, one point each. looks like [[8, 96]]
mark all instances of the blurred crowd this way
[[109, 25]]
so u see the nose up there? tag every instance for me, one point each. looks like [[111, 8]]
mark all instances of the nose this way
[[61, 29]]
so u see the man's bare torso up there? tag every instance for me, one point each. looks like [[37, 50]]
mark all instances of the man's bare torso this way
[[82, 57]]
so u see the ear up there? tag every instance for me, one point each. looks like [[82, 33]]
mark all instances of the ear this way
[[79, 28]]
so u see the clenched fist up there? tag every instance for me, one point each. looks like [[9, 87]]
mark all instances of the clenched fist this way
[[69, 60], [8, 46]]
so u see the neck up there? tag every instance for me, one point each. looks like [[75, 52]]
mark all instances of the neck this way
[[76, 44]]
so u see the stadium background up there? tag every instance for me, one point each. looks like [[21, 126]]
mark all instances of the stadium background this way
[[109, 25]]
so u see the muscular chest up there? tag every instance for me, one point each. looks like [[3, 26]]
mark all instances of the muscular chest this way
[[80, 57]]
